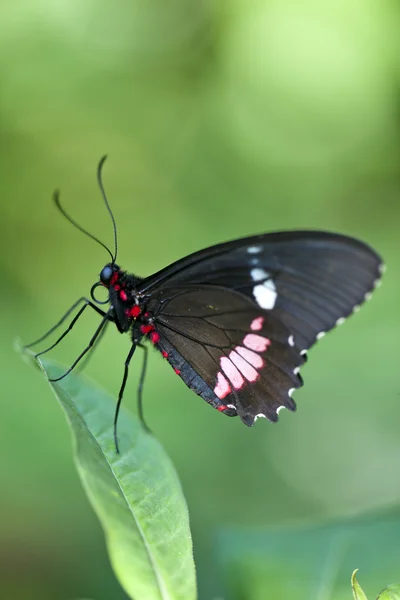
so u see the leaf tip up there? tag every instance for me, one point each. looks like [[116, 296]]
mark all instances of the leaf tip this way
[[358, 593], [28, 356], [17, 345]]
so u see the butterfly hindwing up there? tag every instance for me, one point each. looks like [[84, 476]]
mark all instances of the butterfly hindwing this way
[[239, 358]]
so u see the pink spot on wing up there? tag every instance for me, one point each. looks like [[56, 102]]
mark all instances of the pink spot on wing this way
[[123, 296], [250, 356], [256, 342], [257, 324], [177, 371], [232, 373], [222, 408], [222, 388], [246, 370], [165, 354], [244, 362]]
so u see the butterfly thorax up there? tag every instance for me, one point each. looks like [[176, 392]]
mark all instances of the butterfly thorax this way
[[128, 306]]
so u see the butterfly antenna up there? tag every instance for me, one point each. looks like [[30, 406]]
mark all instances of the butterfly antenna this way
[[103, 193], [56, 198]]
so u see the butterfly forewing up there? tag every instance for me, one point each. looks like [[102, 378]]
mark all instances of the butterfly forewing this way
[[309, 279]]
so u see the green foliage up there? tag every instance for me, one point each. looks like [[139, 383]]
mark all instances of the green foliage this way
[[358, 594], [310, 562], [136, 494], [392, 592]]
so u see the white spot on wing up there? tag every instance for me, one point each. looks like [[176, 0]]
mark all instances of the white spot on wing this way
[[258, 274], [254, 249], [291, 340], [265, 294], [296, 370], [259, 416], [320, 335], [367, 296], [382, 268], [278, 410], [340, 321], [231, 406], [290, 392]]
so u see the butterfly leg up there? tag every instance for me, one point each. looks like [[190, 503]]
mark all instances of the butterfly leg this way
[[121, 393], [98, 331], [87, 303], [84, 363]]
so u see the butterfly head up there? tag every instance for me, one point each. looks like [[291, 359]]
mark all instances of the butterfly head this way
[[111, 278], [109, 274]]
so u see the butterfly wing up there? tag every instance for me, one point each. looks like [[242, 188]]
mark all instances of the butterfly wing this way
[[311, 280], [235, 319], [240, 359]]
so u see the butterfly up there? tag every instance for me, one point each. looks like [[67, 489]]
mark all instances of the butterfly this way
[[235, 320]]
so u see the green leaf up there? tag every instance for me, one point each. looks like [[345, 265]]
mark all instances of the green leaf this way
[[136, 494], [303, 562], [358, 594], [392, 592]]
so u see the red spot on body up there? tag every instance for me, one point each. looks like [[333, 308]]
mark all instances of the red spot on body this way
[[177, 371], [123, 296], [145, 329], [117, 287], [257, 324], [133, 312], [165, 354], [114, 278], [222, 408], [154, 337], [146, 314]]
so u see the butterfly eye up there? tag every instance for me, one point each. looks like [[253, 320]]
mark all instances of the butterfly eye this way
[[106, 274]]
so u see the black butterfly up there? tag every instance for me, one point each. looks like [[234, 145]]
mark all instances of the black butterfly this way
[[235, 320]]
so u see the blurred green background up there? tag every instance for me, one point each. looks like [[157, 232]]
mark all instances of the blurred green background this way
[[220, 119]]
